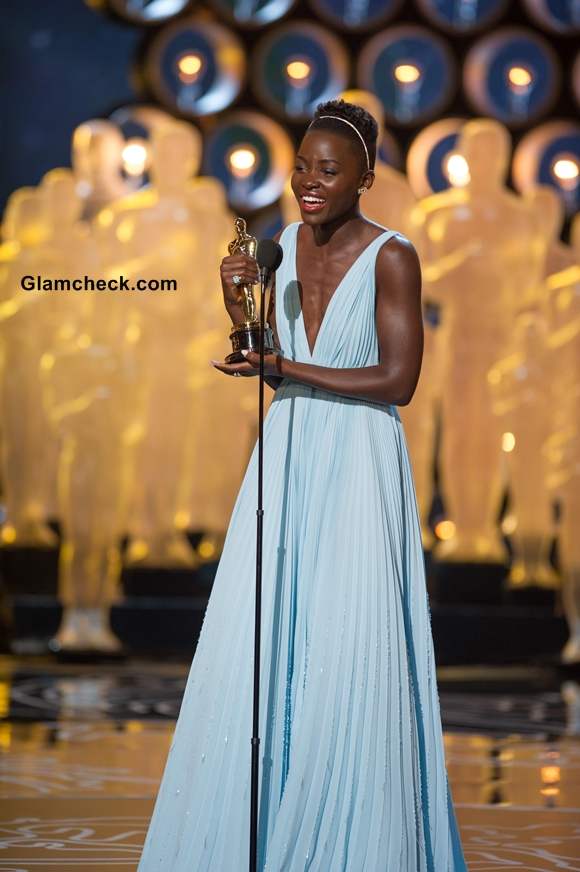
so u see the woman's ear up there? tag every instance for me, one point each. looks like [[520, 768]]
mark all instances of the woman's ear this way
[[368, 179]]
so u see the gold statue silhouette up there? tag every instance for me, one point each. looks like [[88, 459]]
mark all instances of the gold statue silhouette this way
[[563, 445], [476, 257]]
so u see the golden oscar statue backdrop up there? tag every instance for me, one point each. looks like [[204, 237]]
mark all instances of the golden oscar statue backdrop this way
[[115, 424]]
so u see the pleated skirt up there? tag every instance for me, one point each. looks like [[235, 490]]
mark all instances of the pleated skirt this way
[[352, 767]]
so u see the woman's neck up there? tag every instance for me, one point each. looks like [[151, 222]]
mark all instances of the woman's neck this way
[[339, 230]]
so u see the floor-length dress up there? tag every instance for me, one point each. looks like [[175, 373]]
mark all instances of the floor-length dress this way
[[352, 767]]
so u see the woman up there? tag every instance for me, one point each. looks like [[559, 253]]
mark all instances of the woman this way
[[352, 768]]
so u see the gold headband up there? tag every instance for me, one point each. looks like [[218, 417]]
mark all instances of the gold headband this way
[[356, 130]]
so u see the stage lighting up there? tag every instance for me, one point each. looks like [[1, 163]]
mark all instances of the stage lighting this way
[[509, 524], [407, 74], [411, 70], [189, 67], [299, 72], [143, 12], [255, 13], [565, 169], [512, 75], [195, 66], [463, 16], [296, 66], [137, 124], [456, 169], [445, 530], [354, 15], [508, 442], [561, 17], [550, 155], [519, 77], [252, 156], [432, 161], [135, 157], [242, 160]]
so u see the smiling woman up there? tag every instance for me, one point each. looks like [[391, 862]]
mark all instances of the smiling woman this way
[[352, 767]]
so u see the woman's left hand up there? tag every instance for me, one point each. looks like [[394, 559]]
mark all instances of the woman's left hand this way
[[251, 365]]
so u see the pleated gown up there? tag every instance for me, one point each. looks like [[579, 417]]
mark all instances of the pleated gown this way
[[352, 767]]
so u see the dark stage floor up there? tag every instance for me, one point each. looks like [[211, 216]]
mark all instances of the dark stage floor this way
[[83, 749]]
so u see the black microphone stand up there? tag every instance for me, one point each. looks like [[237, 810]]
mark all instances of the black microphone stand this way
[[255, 741]]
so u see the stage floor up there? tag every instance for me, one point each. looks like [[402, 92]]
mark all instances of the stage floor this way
[[83, 748]]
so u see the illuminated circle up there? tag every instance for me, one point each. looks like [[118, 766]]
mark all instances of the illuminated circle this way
[[252, 155], [354, 15], [463, 16], [299, 71], [189, 66], [445, 529], [407, 74], [256, 13], [195, 67], [512, 75], [565, 169], [242, 160], [412, 72], [508, 442], [137, 124], [519, 77], [296, 66], [550, 155], [432, 162], [559, 16], [148, 11], [135, 156]]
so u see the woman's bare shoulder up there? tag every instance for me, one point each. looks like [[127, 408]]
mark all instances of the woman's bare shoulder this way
[[398, 251], [398, 264]]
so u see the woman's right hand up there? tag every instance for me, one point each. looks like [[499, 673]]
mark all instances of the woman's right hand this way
[[245, 267]]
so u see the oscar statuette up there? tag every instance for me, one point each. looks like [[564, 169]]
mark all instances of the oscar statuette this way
[[246, 335]]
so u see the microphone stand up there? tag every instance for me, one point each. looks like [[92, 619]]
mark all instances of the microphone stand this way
[[255, 741]]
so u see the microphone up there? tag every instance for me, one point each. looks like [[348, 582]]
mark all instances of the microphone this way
[[269, 256]]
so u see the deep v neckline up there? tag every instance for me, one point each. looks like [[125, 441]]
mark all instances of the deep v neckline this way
[[332, 296]]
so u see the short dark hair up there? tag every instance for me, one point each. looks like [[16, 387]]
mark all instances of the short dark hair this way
[[357, 116]]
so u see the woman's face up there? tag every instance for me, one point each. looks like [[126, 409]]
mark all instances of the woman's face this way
[[326, 176]]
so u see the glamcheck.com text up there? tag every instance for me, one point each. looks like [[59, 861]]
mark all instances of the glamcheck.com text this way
[[86, 283]]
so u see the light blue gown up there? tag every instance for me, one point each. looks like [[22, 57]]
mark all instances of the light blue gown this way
[[352, 767]]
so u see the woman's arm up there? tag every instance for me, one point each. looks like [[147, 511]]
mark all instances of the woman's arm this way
[[399, 324], [246, 267]]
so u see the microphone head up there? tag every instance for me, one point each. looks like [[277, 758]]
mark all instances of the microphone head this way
[[269, 255]]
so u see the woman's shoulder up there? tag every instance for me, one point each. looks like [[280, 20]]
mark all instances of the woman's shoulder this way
[[396, 240], [397, 254]]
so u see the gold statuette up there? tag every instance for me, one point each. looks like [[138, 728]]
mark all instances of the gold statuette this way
[[246, 335]]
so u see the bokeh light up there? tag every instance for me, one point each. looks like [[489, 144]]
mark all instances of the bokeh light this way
[[195, 66], [428, 161], [411, 70], [512, 75], [550, 155], [296, 66], [252, 156]]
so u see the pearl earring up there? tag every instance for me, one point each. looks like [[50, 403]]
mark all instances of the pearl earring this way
[[361, 190]]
